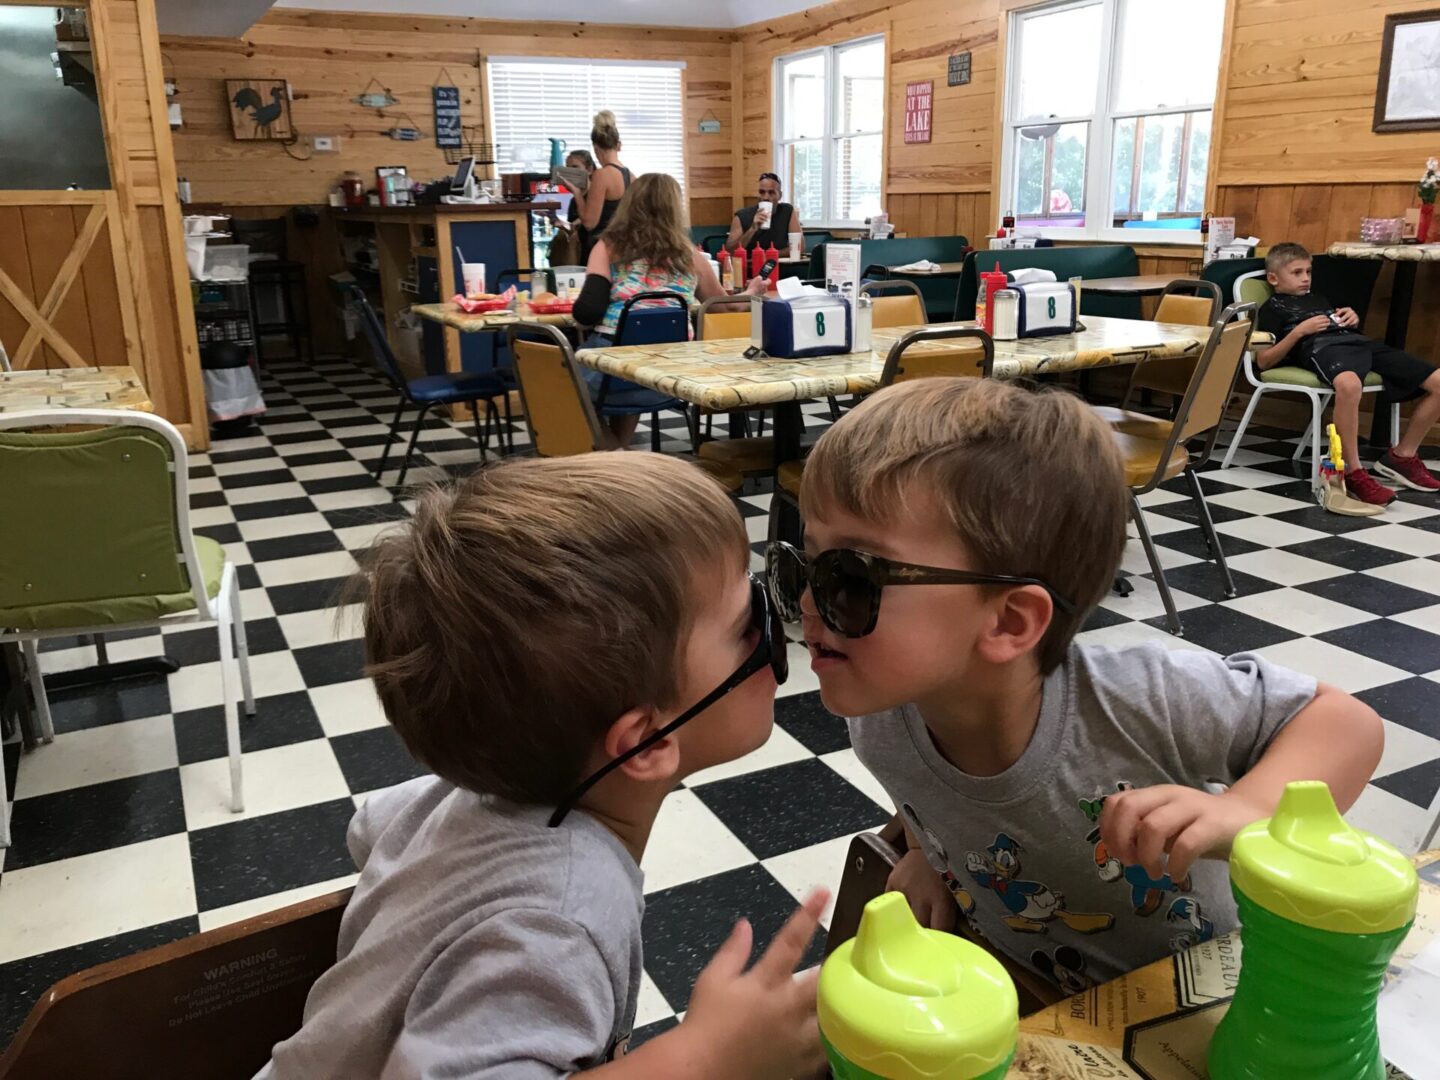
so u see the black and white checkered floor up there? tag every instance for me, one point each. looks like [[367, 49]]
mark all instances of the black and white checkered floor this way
[[122, 838]]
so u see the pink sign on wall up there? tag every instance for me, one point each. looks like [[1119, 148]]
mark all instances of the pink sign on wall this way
[[917, 111]]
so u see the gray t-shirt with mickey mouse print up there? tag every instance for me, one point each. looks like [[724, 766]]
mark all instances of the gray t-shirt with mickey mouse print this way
[[1021, 851]]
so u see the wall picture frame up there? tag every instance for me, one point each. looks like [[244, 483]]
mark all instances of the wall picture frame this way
[[259, 109], [1407, 97]]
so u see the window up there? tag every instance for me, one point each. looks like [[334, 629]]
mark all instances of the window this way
[[829, 131], [1107, 113], [535, 100]]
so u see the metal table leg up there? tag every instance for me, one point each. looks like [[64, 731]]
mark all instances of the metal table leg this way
[[1397, 325]]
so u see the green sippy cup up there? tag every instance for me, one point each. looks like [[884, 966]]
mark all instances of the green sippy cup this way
[[899, 1002], [1323, 907]]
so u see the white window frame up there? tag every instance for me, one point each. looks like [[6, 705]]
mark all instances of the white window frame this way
[[1099, 144], [830, 141], [571, 61]]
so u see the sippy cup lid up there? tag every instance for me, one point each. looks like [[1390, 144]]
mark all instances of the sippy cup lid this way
[[907, 1003], [1306, 864]]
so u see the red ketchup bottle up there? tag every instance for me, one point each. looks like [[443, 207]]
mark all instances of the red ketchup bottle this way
[[724, 260], [773, 257], [757, 260], [993, 279]]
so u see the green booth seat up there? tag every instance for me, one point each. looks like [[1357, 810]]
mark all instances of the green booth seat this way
[[1086, 261], [876, 255]]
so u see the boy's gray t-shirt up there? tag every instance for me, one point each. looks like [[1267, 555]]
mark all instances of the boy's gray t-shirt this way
[[1021, 851], [478, 943]]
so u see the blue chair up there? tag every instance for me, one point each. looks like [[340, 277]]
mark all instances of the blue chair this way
[[667, 319], [452, 388]]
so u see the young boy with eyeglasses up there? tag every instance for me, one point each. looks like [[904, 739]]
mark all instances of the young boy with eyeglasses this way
[[562, 642], [957, 534]]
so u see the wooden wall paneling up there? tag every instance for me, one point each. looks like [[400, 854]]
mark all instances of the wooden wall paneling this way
[[14, 265], [50, 232], [1348, 204], [1391, 200], [1273, 204], [112, 345], [1310, 216]]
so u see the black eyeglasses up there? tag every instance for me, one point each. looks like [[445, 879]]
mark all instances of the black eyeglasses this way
[[846, 584], [770, 649], [769, 176]]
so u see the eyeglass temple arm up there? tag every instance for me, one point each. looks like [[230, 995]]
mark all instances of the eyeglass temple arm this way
[[924, 575]]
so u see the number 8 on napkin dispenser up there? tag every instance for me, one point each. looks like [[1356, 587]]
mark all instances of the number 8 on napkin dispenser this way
[[806, 326], [1045, 307]]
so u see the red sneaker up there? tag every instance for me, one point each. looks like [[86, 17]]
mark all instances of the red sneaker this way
[[1409, 471], [1366, 488]]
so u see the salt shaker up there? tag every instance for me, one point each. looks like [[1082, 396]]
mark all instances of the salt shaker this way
[[864, 319], [1007, 315]]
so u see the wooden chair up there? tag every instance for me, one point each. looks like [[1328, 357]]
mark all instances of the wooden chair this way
[[867, 869], [1186, 302], [975, 362], [1156, 450], [208, 1007], [558, 410]]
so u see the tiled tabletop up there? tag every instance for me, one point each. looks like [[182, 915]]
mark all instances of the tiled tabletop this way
[[1353, 249], [717, 375], [73, 388], [450, 315]]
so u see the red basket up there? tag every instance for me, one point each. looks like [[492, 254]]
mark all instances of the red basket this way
[[480, 307], [555, 307]]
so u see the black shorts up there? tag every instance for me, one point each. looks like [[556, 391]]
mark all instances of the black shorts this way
[[1402, 374]]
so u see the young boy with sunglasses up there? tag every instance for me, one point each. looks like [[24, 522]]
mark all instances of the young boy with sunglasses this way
[[958, 532], [561, 646]]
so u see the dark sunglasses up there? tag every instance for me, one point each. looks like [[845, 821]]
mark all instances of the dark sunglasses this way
[[769, 176], [846, 584], [769, 650]]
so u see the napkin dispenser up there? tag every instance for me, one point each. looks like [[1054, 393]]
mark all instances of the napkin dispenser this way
[[809, 325], [1045, 307]]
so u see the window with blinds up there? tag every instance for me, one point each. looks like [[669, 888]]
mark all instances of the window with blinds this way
[[829, 131], [534, 100]]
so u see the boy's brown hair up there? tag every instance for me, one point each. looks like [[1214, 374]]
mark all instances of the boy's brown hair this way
[[529, 606], [1031, 481], [1282, 255]]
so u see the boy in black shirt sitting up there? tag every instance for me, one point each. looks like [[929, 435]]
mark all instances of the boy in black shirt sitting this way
[[1309, 332]]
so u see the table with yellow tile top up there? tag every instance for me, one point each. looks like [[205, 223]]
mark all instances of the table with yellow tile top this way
[[73, 388], [450, 314]]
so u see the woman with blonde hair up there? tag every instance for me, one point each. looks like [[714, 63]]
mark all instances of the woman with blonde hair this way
[[596, 205], [646, 248]]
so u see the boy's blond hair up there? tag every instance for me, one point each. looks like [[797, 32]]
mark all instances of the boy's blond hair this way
[[529, 606], [1030, 480], [1282, 255]]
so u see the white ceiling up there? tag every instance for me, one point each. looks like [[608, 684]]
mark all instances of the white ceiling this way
[[209, 18], [707, 13]]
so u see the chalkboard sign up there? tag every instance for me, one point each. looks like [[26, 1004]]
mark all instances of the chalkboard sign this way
[[447, 115], [959, 70]]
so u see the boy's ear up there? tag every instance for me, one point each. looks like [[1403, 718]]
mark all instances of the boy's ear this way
[[657, 762], [1021, 620], [1271, 278]]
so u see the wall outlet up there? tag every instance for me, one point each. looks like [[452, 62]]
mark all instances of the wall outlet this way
[[325, 144]]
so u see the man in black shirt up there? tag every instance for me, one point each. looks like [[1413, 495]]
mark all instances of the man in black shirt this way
[[1309, 332]]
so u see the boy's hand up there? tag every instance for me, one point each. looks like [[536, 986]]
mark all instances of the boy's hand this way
[[929, 899], [1312, 325], [1140, 825], [1347, 317], [758, 1023]]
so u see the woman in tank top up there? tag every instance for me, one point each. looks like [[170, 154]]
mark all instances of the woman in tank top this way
[[647, 249], [596, 205], [751, 227]]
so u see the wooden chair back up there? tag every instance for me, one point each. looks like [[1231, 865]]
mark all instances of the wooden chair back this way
[[558, 409], [1189, 302], [897, 303], [972, 360], [1209, 392], [208, 1007]]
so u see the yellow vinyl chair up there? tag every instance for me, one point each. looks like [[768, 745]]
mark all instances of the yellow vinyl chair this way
[[904, 361], [95, 537], [1252, 288], [1186, 302], [896, 303], [1156, 450], [558, 410]]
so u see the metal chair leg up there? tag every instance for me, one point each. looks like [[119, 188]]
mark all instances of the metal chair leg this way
[[481, 437], [655, 432], [1212, 539], [509, 428], [37, 689], [1172, 616], [390, 439], [1240, 431], [409, 450]]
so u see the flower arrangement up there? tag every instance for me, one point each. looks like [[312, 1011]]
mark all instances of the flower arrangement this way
[[1430, 182]]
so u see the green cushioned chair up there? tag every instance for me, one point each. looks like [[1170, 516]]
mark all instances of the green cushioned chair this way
[[95, 537], [1251, 287]]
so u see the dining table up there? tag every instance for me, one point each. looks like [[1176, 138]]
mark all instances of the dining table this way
[[1136, 285], [448, 313], [717, 375]]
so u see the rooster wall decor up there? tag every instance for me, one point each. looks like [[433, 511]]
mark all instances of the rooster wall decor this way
[[259, 108]]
